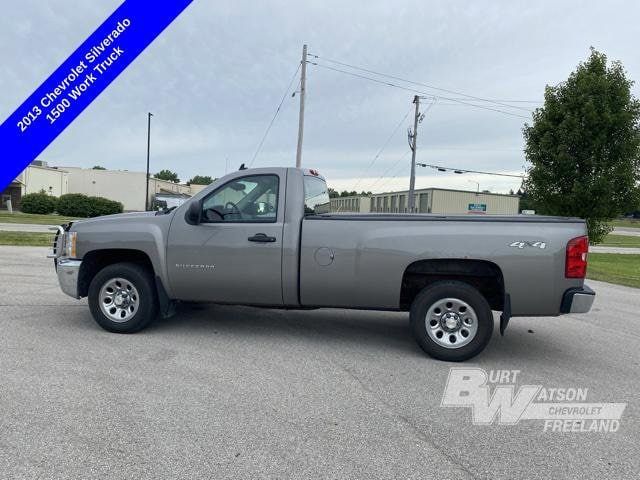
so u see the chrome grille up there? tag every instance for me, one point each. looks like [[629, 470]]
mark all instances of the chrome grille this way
[[58, 241]]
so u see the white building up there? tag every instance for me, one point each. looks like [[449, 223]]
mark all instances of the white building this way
[[123, 186], [35, 178], [359, 204], [431, 200]]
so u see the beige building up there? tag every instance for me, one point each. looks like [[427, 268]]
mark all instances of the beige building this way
[[35, 178], [197, 188], [431, 200], [351, 204], [123, 186]]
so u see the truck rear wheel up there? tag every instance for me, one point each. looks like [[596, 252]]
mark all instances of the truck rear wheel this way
[[451, 321], [122, 298]]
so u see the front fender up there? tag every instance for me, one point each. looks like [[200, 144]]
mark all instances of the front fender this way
[[145, 234]]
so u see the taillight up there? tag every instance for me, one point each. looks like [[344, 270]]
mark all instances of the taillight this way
[[576, 263]]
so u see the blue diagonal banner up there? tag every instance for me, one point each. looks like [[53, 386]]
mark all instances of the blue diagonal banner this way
[[79, 80]]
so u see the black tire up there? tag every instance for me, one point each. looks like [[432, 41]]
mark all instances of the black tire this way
[[147, 298], [435, 293]]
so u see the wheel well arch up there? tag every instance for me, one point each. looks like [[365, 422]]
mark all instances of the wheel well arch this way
[[483, 275], [96, 260]]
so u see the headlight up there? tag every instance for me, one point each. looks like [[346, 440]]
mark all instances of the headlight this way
[[70, 244]]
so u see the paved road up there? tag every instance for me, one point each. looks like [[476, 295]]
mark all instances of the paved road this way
[[233, 392], [623, 250], [634, 232], [25, 227]]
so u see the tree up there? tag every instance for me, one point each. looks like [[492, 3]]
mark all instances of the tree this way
[[201, 180], [525, 200], [98, 167], [584, 146], [346, 193], [333, 193], [167, 175]]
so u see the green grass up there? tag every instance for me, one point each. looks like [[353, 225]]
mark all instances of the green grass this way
[[626, 222], [620, 241], [18, 217], [30, 239], [615, 268]]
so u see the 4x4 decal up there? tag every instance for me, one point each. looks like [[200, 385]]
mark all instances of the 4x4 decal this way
[[522, 244]]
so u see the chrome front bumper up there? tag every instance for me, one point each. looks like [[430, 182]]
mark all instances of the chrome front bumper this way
[[577, 300], [68, 271]]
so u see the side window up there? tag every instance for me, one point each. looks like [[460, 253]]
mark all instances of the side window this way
[[247, 199], [316, 196]]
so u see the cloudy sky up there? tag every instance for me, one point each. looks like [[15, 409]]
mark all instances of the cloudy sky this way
[[214, 78]]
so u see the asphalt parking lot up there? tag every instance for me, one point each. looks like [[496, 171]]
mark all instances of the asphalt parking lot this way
[[235, 392]]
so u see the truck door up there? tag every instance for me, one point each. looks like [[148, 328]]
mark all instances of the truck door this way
[[234, 254]]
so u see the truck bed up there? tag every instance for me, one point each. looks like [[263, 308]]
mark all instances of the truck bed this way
[[360, 260], [426, 217]]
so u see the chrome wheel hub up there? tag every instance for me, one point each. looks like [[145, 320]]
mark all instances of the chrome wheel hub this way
[[119, 299], [451, 322]]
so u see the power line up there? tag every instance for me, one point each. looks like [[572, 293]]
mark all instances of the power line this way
[[388, 170], [507, 101], [474, 149], [429, 107], [426, 94], [386, 143], [372, 185], [455, 103], [461, 170], [273, 119], [389, 179], [502, 103]]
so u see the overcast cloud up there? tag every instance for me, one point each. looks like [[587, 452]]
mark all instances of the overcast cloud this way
[[214, 78]]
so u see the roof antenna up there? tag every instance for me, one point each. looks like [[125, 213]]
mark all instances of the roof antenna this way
[[242, 167]]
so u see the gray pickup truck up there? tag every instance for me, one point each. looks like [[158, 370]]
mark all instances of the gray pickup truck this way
[[266, 237]]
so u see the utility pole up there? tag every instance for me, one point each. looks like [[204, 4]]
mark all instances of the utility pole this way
[[146, 198], [303, 88], [413, 137]]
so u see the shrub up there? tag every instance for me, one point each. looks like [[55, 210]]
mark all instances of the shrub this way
[[80, 205], [74, 205], [104, 206], [40, 203]]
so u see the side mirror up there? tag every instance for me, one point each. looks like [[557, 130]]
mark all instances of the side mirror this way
[[193, 213]]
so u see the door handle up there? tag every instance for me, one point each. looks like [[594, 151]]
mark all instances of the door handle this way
[[261, 238]]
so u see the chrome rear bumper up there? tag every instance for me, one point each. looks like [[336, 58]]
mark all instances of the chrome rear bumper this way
[[577, 300]]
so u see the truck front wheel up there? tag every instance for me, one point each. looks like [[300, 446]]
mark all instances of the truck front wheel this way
[[451, 321], [122, 298]]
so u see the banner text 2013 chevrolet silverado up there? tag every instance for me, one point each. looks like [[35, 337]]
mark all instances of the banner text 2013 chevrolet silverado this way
[[265, 237]]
